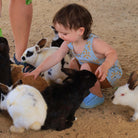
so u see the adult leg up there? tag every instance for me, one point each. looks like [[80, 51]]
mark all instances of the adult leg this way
[[20, 18], [0, 6]]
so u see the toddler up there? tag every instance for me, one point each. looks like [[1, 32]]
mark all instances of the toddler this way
[[73, 23]]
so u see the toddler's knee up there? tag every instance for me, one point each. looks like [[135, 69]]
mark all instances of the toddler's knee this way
[[86, 66], [74, 64], [89, 66], [73, 60]]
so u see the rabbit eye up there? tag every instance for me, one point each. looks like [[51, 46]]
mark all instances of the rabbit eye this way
[[29, 53], [122, 94]]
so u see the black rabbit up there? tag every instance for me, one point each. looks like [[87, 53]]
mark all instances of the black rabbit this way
[[64, 99], [5, 70]]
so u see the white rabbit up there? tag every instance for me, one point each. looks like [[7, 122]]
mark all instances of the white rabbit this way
[[25, 105], [128, 94]]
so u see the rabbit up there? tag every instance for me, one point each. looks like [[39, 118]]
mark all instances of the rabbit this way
[[37, 54], [5, 70], [128, 94], [56, 41], [64, 99], [25, 105], [17, 73]]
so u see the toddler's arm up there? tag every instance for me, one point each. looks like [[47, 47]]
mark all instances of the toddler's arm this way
[[50, 61], [103, 50]]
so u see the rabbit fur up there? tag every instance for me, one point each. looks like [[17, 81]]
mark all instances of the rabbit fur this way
[[128, 94], [56, 41], [5, 70], [64, 99], [17, 74], [25, 105], [37, 54]]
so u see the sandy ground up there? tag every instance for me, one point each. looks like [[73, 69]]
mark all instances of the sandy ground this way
[[116, 22]]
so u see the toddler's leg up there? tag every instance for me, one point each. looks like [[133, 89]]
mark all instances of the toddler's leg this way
[[95, 97], [96, 89], [103, 84], [74, 64]]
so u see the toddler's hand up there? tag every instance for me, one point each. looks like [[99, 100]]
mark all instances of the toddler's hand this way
[[34, 73], [101, 72]]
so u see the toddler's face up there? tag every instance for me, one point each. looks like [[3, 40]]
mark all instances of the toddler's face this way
[[67, 34]]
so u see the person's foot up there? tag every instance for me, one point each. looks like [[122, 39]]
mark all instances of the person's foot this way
[[16, 61], [92, 101]]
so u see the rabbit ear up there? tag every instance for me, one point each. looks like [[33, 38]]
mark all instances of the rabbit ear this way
[[37, 48], [3, 40], [4, 88], [42, 42], [133, 80], [17, 83], [54, 29]]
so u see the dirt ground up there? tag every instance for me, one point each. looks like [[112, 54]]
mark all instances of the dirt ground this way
[[116, 22]]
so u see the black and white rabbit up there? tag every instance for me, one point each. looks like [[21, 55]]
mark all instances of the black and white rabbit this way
[[37, 54], [56, 41]]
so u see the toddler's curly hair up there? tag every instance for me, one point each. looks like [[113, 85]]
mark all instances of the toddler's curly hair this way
[[74, 16]]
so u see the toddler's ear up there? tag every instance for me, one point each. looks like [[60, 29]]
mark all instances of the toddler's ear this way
[[81, 30]]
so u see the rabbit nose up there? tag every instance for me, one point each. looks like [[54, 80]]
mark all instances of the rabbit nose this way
[[23, 58], [112, 97]]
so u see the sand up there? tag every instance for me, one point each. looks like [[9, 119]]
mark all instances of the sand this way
[[115, 22]]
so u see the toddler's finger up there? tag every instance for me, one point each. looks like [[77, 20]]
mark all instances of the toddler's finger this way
[[103, 77], [27, 74], [97, 73], [35, 77]]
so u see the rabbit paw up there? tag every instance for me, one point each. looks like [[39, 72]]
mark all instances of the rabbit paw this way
[[16, 130], [59, 80], [35, 126], [134, 117]]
